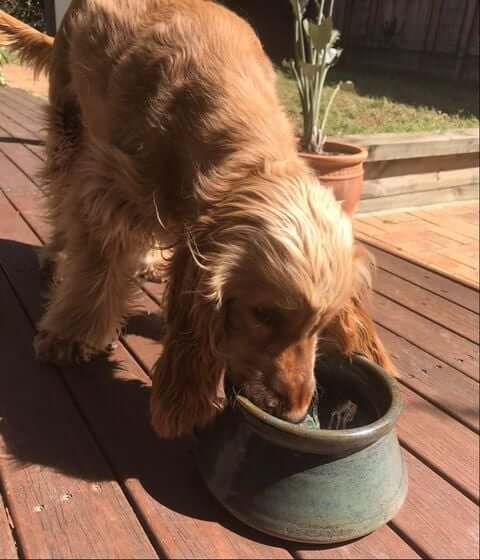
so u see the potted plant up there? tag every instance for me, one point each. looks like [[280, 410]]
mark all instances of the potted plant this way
[[337, 164]]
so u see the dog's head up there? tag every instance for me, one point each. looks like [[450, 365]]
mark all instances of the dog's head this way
[[249, 296]]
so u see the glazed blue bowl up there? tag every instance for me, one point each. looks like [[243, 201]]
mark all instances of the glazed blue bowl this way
[[306, 484]]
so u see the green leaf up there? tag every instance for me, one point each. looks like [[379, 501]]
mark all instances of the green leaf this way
[[309, 70], [321, 35]]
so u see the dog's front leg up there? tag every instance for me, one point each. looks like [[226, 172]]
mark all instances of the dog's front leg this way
[[85, 310]]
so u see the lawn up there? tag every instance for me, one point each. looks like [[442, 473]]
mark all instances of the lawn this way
[[390, 103]]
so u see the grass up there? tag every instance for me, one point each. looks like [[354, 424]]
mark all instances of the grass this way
[[6, 57], [389, 103]]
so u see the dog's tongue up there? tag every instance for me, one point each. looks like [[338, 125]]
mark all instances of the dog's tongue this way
[[325, 413]]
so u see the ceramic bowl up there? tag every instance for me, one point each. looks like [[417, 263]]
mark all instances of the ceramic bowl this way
[[307, 484]]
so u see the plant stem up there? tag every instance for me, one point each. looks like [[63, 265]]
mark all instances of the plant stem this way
[[327, 109], [330, 11]]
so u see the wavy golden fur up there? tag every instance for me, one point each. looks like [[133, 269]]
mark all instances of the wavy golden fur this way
[[34, 48], [165, 128]]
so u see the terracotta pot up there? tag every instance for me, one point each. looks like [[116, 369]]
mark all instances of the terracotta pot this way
[[342, 170]]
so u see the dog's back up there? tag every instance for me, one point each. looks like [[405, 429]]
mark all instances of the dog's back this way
[[117, 54], [177, 85], [151, 75]]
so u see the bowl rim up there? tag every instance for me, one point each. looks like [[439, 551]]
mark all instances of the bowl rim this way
[[371, 431]]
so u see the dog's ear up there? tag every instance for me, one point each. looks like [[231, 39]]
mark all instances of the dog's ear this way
[[187, 380], [353, 330]]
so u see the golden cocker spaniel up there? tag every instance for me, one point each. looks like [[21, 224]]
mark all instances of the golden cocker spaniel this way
[[165, 129]]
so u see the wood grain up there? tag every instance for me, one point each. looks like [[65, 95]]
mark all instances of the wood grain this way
[[452, 451], [440, 342], [431, 306], [383, 543], [63, 497], [8, 549], [160, 479], [392, 145], [434, 380], [415, 183], [426, 279], [192, 545], [419, 198], [30, 125], [417, 166], [441, 521], [25, 104]]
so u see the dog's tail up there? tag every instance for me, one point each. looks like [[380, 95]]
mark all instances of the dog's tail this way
[[33, 47]]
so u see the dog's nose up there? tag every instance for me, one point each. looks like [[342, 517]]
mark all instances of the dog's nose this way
[[299, 402], [297, 415]]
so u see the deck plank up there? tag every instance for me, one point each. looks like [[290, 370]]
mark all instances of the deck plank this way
[[182, 527], [63, 497], [24, 98], [14, 129], [149, 354], [426, 279], [23, 103], [11, 117], [440, 342], [434, 380], [8, 549], [437, 309], [382, 544], [439, 455], [159, 477], [442, 522], [441, 442]]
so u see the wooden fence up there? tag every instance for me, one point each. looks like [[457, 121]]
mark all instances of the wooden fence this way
[[436, 37]]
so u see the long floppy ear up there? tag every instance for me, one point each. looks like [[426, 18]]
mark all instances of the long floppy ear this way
[[187, 378], [353, 330]]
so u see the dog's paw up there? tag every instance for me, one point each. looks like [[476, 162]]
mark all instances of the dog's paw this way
[[51, 349]]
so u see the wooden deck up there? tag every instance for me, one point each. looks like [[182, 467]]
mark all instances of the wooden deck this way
[[83, 476]]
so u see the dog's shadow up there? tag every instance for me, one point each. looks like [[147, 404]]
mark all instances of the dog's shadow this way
[[68, 419]]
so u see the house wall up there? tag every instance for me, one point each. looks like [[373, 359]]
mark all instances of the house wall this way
[[60, 9]]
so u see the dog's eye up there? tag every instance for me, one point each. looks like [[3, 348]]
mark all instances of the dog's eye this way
[[268, 316]]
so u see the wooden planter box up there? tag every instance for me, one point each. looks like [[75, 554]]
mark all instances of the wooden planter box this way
[[413, 169]]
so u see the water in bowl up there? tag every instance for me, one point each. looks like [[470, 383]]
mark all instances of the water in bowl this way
[[340, 405]]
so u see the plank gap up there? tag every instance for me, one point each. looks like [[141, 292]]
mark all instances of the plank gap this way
[[384, 269], [464, 491], [418, 312], [405, 537], [12, 532]]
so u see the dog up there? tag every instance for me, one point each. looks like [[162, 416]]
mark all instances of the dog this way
[[165, 130]]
